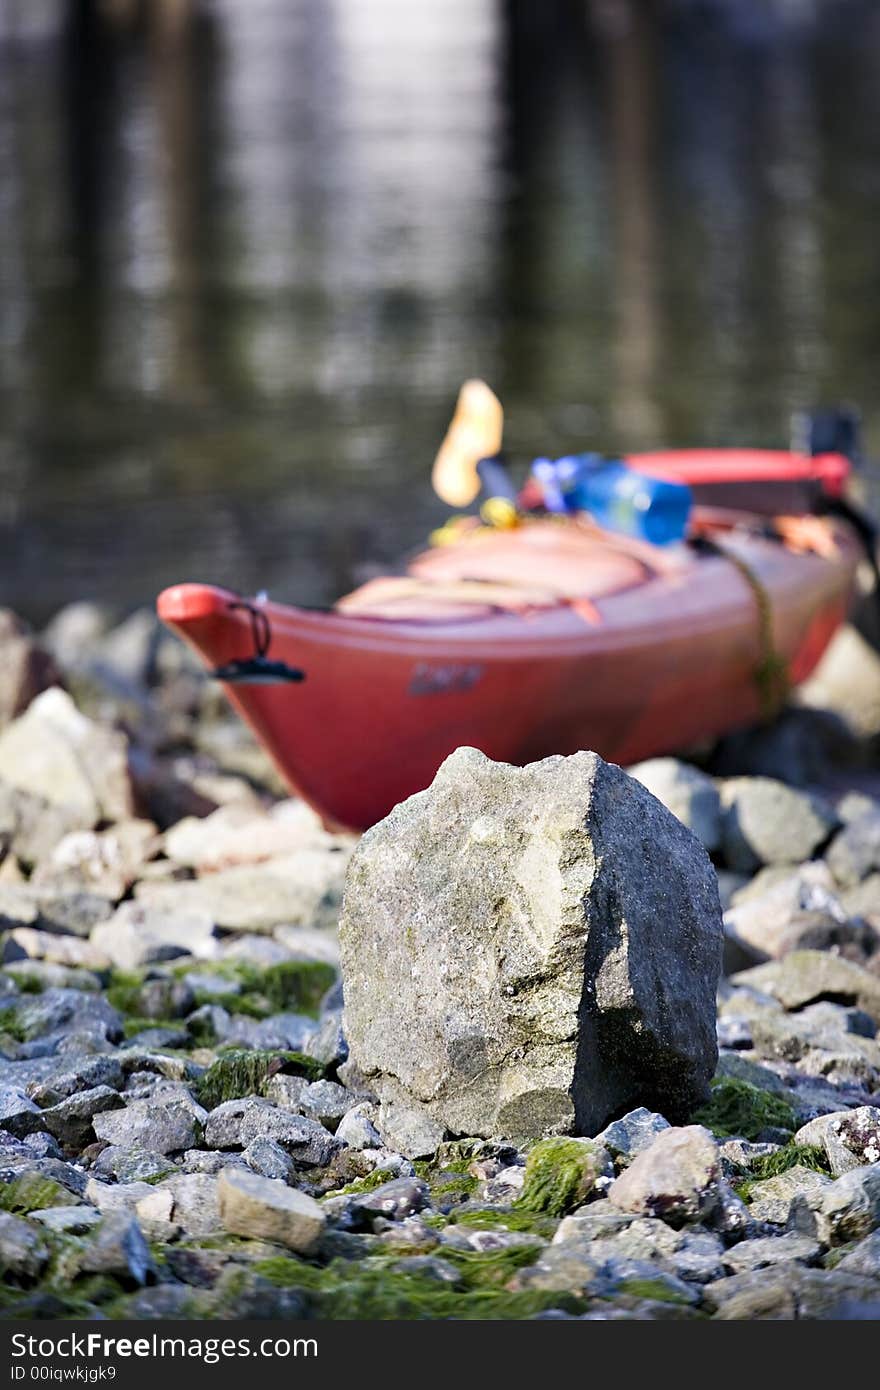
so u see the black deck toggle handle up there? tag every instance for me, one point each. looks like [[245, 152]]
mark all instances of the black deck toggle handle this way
[[258, 669]]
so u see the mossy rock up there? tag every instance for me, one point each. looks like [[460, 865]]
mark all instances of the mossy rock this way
[[296, 986], [492, 1219], [560, 1175], [34, 1192], [655, 1290], [790, 1156], [372, 1292], [737, 1109], [369, 1183], [447, 1185], [236, 1074], [10, 1025]]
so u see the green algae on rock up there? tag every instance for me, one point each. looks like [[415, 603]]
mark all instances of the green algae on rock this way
[[560, 1175], [738, 1109], [370, 1291], [236, 1074]]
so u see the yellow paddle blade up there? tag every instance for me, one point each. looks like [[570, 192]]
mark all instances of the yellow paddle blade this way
[[474, 434]]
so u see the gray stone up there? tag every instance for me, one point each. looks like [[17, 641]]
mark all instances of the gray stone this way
[[304, 888], [566, 1267], [42, 1145], [776, 920], [266, 1157], [327, 1043], [864, 1258], [290, 1032], [26, 667], [285, 1091], [67, 1221], [49, 948], [773, 1199], [327, 1102], [548, 941], [18, 1114], [428, 1267], [57, 1012], [83, 1076], [628, 1136], [131, 1164], [251, 1205], [772, 1250], [850, 1138], [855, 852], [41, 906], [307, 1142], [113, 1197], [850, 1207], [242, 833], [224, 1122], [676, 1178], [593, 1222], [395, 1200], [623, 1272], [847, 681], [31, 826], [117, 1247], [356, 1128], [162, 1128], [406, 1127], [187, 1200], [70, 1121], [823, 1026], [767, 822], [792, 1292], [105, 863], [806, 976], [139, 934], [54, 752], [237, 1123], [689, 794], [23, 1253], [863, 900]]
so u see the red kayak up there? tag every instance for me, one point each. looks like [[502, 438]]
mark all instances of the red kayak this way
[[546, 638]]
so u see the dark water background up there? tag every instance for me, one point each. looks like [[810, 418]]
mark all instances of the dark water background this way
[[247, 257]]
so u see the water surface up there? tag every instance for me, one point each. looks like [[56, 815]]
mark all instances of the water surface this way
[[245, 264]]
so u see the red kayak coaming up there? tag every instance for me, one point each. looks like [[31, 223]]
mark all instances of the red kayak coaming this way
[[701, 467], [667, 662]]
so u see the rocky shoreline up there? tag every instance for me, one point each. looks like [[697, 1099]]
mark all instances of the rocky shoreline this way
[[180, 1135]]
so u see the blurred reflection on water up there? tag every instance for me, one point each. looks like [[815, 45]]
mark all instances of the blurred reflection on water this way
[[247, 260]]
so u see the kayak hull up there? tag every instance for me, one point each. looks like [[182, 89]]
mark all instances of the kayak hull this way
[[658, 667]]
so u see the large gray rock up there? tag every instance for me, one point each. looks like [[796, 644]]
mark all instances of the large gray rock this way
[[529, 951]]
